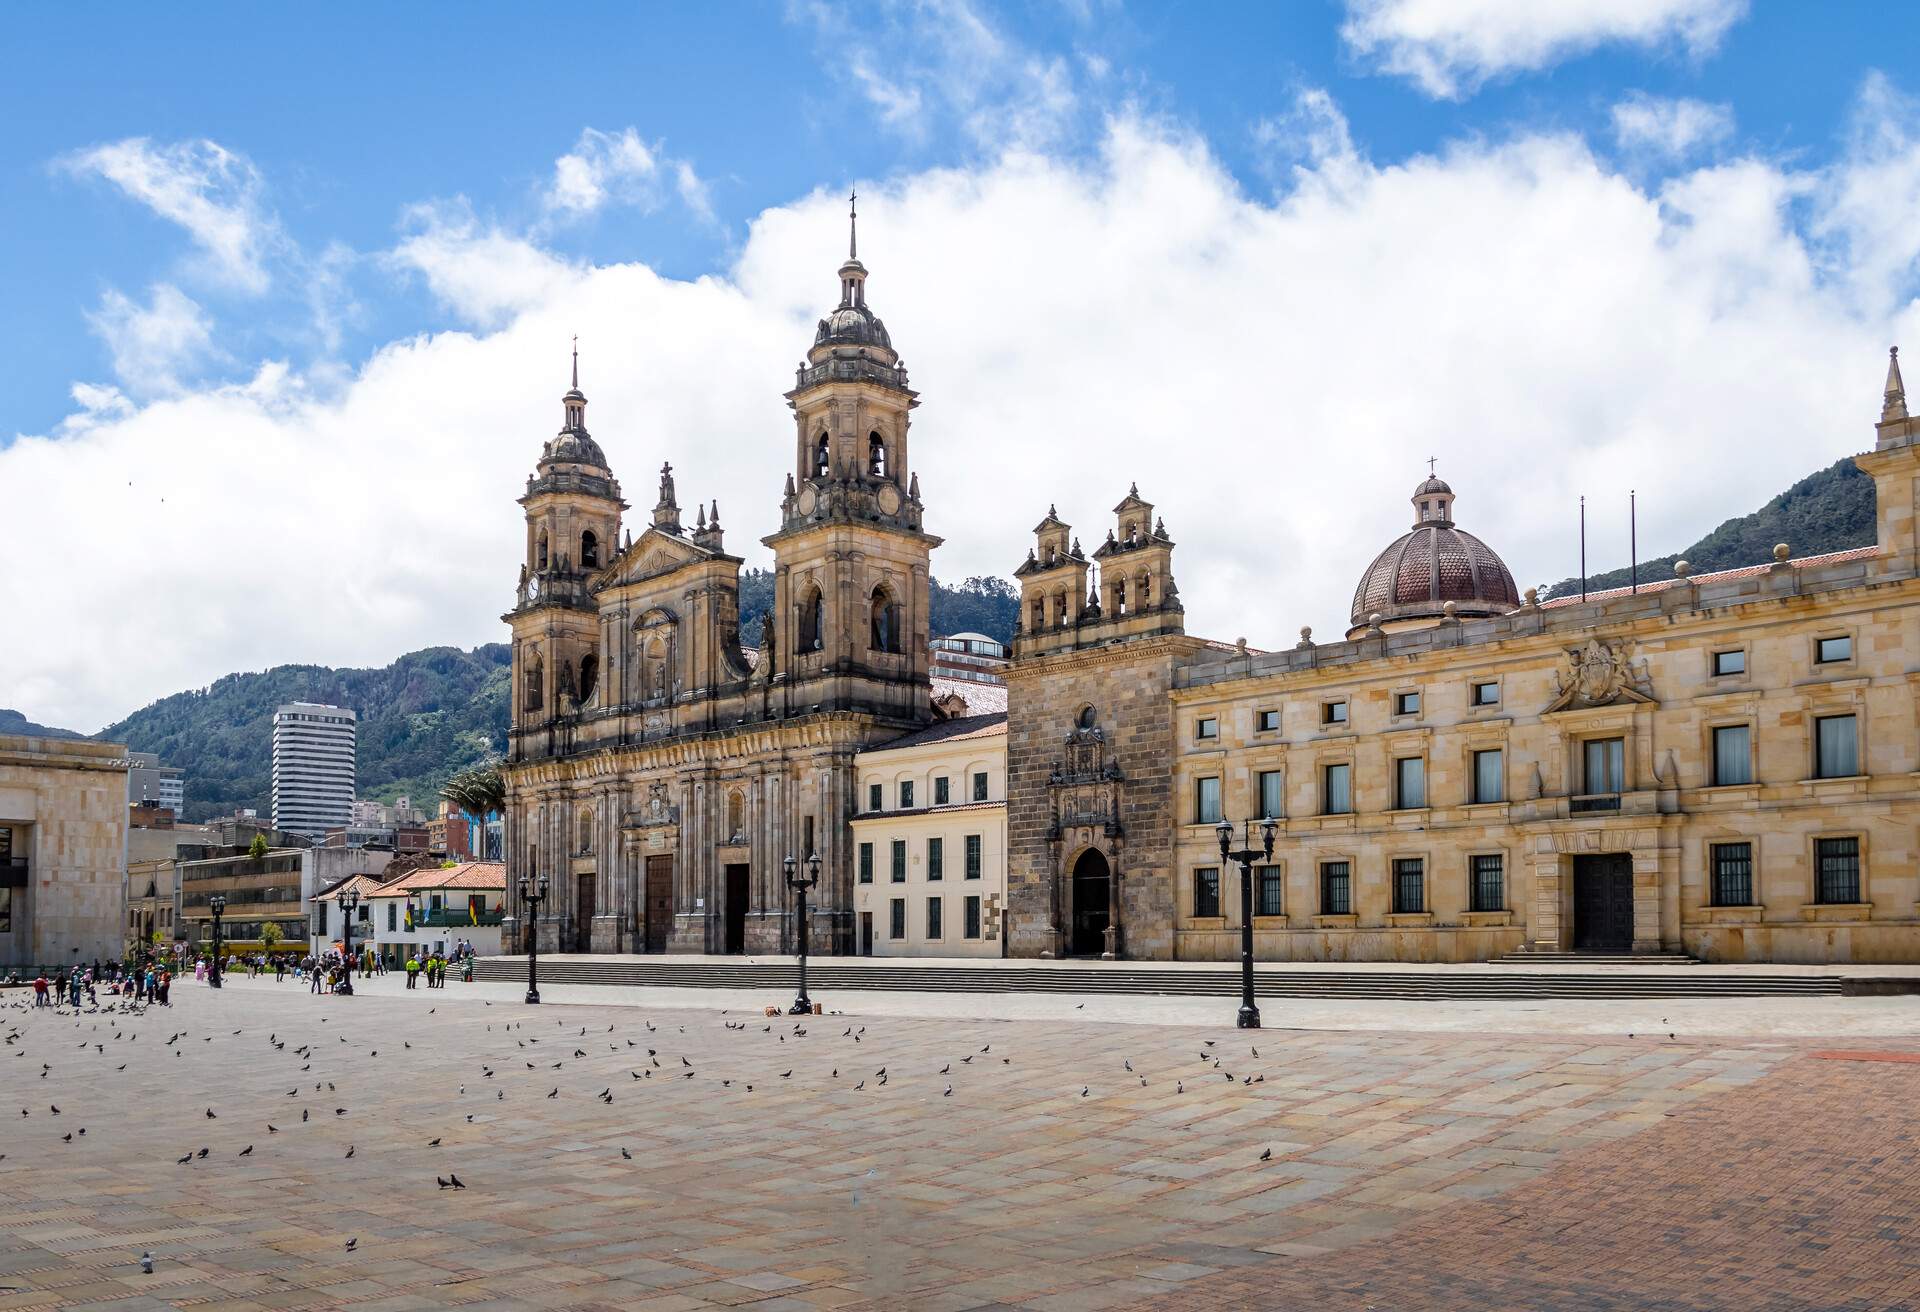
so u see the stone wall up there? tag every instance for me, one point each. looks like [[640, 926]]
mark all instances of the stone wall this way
[[64, 804]]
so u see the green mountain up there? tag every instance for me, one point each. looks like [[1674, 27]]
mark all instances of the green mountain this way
[[14, 722], [1832, 510], [981, 604], [422, 718]]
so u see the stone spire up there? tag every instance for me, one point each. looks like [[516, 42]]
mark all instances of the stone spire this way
[[1894, 406], [853, 274], [666, 511]]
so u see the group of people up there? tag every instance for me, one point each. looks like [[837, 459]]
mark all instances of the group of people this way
[[434, 967], [73, 988]]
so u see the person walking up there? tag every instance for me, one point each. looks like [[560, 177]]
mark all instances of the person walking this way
[[40, 990], [413, 968], [166, 987]]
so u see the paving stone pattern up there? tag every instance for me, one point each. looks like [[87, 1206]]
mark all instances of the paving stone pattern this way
[[1407, 1170]]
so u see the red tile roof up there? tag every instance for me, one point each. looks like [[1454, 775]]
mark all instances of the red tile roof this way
[[468, 874], [981, 698], [1745, 571], [367, 885]]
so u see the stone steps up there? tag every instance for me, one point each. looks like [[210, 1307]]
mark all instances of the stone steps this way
[[1438, 985]]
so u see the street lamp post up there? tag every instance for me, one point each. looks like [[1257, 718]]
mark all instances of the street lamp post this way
[[533, 893], [216, 904], [349, 903], [802, 1005], [1249, 1017]]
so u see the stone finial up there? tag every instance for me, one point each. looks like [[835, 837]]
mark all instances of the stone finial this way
[[1682, 568], [1781, 552], [1306, 635], [1893, 407], [1076, 548], [1533, 599], [1450, 612], [1373, 622]]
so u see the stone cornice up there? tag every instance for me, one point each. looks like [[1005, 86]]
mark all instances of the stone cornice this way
[[830, 731]]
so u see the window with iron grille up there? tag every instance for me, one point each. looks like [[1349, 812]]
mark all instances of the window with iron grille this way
[[899, 854], [971, 926], [1838, 860], [1206, 891], [897, 918], [1336, 889], [973, 856], [866, 863], [1266, 891], [979, 785], [935, 906], [940, 790], [1489, 882], [906, 794], [1733, 874], [1409, 885], [936, 858]]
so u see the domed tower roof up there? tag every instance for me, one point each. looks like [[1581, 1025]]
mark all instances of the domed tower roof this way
[[851, 323], [1433, 564], [573, 445]]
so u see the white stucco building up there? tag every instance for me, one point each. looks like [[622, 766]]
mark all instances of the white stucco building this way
[[421, 911]]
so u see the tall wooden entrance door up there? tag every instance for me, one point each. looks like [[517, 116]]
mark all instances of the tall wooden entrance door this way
[[1603, 903], [866, 933], [583, 920], [659, 902], [1090, 905], [735, 936]]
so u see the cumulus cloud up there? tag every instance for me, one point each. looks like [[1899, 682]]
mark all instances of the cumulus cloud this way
[[1449, 48], [150, 343], [1669, 129], [618, 168], [1273, 370], [1309, 140], [211, 192]]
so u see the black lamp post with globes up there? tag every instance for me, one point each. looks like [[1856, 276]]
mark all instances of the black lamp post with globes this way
[[533, 893], [802, 1005], [1249, 1017]]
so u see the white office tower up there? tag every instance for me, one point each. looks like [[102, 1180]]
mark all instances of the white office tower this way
[[313, 762]]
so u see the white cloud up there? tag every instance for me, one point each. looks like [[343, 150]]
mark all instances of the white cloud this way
[[1310, 140], [618, 168], [151, 343], [1273, 372], [207, 189], [1668, 128], [1449, 48]]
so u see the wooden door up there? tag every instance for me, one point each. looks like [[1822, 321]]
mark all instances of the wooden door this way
[[659, 902], [583, 919], [1603, 903], [736, 910]]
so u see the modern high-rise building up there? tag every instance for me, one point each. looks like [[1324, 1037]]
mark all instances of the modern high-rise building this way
[[313, 767]]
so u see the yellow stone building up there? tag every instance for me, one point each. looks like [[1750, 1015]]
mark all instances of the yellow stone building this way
[[63, 851], [1723, 765], [659, 768]]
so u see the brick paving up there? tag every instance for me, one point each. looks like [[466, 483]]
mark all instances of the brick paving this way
[[1407, 1170]]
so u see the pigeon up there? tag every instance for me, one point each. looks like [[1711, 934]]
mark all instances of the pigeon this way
[[53, 1109], [626, 1155], [442, 1183], [349, 1150], [786, 1075], [272, 1129], [1079, 1006], [1128, 1065], [66, 1138], [184, 1160], [339, 1111], [1209, 1042], [303, 1116], [859, 1086], [433, 1143], [245, 1152], [948, 1093], [352, 1242], [1083, 1091], [555, 1093], [454, 1180], [146, 1263], [203, 1152], [1266, 1155], [946, 1068]]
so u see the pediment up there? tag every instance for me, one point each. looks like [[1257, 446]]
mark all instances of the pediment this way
[[651, 555]]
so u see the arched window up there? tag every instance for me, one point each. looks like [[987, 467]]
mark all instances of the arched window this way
[[1143, 594], [820, 457], [589, 550], [536, 678], [1119, 596], [540, 553], [585, 825], [1060, 607], [736, 816], [885, 622], [1039, 613], [654, 670], [1088, 717], [812, 621], [589, 675], [1130, 533], [876, 456]]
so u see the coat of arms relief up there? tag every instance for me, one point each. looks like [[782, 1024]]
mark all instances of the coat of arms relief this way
[[1601, 674]]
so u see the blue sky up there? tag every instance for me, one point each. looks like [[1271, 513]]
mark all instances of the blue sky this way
[[234, 229]]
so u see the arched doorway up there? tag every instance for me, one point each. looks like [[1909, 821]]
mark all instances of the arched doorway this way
[[1091, 885]]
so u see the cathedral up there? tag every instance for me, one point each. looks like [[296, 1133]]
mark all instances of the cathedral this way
[[661, 764]]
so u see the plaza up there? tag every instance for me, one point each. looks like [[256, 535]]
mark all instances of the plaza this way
[[1091, 1153]]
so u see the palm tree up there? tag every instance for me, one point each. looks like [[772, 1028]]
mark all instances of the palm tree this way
[[479, 790]]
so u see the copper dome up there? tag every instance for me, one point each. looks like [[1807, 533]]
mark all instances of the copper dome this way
[[1431, 565]]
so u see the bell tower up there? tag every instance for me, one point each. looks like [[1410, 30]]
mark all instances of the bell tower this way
[[573, 508], [851, 582]]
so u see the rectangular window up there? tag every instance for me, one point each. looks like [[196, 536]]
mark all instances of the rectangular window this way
[[1409, 885], [1732, 874], [973, 856], [866, 863], [940, 790], [806, 830], [936, 858], [1273, 801], [935, 906], [1489, 882], [897, 918], [1406, 703], [979, 785], [876, 798], [1732, 761], [1410, 783], [1336, 790], [1206, 891], [1206, 801], [899, 860], [1333, 713], [1836, 753], [1606, 765], [906, 794], [1838, 863], [1729, 662], [1336, 889], [1269, 720], [1266, 891], [971, 911], [1207, 729], [1829, 650], [1484, 694], [1489, 776]]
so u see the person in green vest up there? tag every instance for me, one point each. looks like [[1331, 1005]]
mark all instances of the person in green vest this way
[[413, 968]]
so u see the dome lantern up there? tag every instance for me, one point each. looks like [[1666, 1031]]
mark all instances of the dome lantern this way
[[1433, 571]]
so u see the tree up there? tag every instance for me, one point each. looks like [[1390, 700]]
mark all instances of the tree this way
[[258, 848], [270, 935], [479, 791]]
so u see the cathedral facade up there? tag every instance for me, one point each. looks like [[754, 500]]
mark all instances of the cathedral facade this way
[[662, 765]]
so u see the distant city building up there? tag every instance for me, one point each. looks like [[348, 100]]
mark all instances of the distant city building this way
[[149, 782], [397, 838], [313, 767], [63, 848], [971, 656], [368, 814]]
